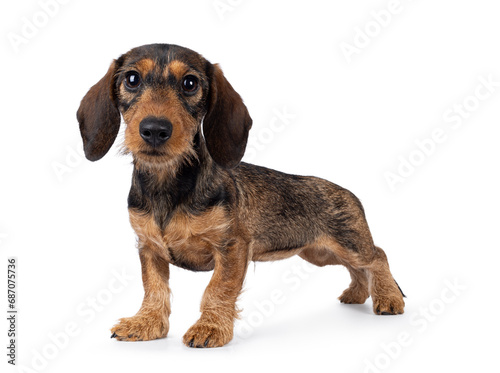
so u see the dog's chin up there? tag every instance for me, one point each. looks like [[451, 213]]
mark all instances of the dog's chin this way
[[162, 163]]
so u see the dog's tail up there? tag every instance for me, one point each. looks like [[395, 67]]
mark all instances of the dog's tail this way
[[403, 294]]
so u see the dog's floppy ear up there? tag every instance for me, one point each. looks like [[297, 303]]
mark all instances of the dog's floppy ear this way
[[99, 117], [227, 122]]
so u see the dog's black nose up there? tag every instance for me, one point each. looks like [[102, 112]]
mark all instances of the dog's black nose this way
[[155, 131]]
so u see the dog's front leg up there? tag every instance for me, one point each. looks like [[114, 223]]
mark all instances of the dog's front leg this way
[[151, 322], [218, 305]]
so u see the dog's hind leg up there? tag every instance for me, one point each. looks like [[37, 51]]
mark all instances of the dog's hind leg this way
[[350, 240], [370, 276], [386, 294], [357, 292]]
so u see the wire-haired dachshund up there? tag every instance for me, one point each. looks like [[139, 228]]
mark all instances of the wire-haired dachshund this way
[[194, 205]]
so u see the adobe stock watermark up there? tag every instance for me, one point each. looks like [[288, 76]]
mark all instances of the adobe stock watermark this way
[[292, 281], [419, 323], [73, 159], [31, 26], [259, 140], [364, 35], [222, 7], [454, 118], [86, 312]]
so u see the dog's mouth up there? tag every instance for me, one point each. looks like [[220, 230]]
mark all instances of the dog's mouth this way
[[153, 153]]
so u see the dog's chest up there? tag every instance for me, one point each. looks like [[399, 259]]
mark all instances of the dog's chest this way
[[187, 240]]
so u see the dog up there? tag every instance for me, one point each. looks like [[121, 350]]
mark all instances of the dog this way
[[195, 205]]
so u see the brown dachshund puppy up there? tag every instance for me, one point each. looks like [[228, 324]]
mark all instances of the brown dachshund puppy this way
[[194, 205]]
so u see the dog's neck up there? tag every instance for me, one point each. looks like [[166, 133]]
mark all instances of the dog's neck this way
[[192, 186]]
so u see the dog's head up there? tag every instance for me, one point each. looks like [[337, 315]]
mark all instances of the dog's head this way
[[164, 92]]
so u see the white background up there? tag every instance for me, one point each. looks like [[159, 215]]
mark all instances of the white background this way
[[353, 122]]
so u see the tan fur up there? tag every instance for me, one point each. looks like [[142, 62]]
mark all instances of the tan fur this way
[[193, 237], [178, 68], [151, 322], [369, 275], [357, 292], [218, 305], [145, 66], [180, 147]]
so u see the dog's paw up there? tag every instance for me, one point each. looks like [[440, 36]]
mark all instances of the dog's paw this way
[[204, 334], [354, 296], [389, 305], [141, 328]]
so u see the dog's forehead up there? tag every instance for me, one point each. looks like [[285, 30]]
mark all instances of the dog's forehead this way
[[162, 56]]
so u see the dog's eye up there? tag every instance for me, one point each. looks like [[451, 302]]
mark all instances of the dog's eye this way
[[190, 84], [132, 80]]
